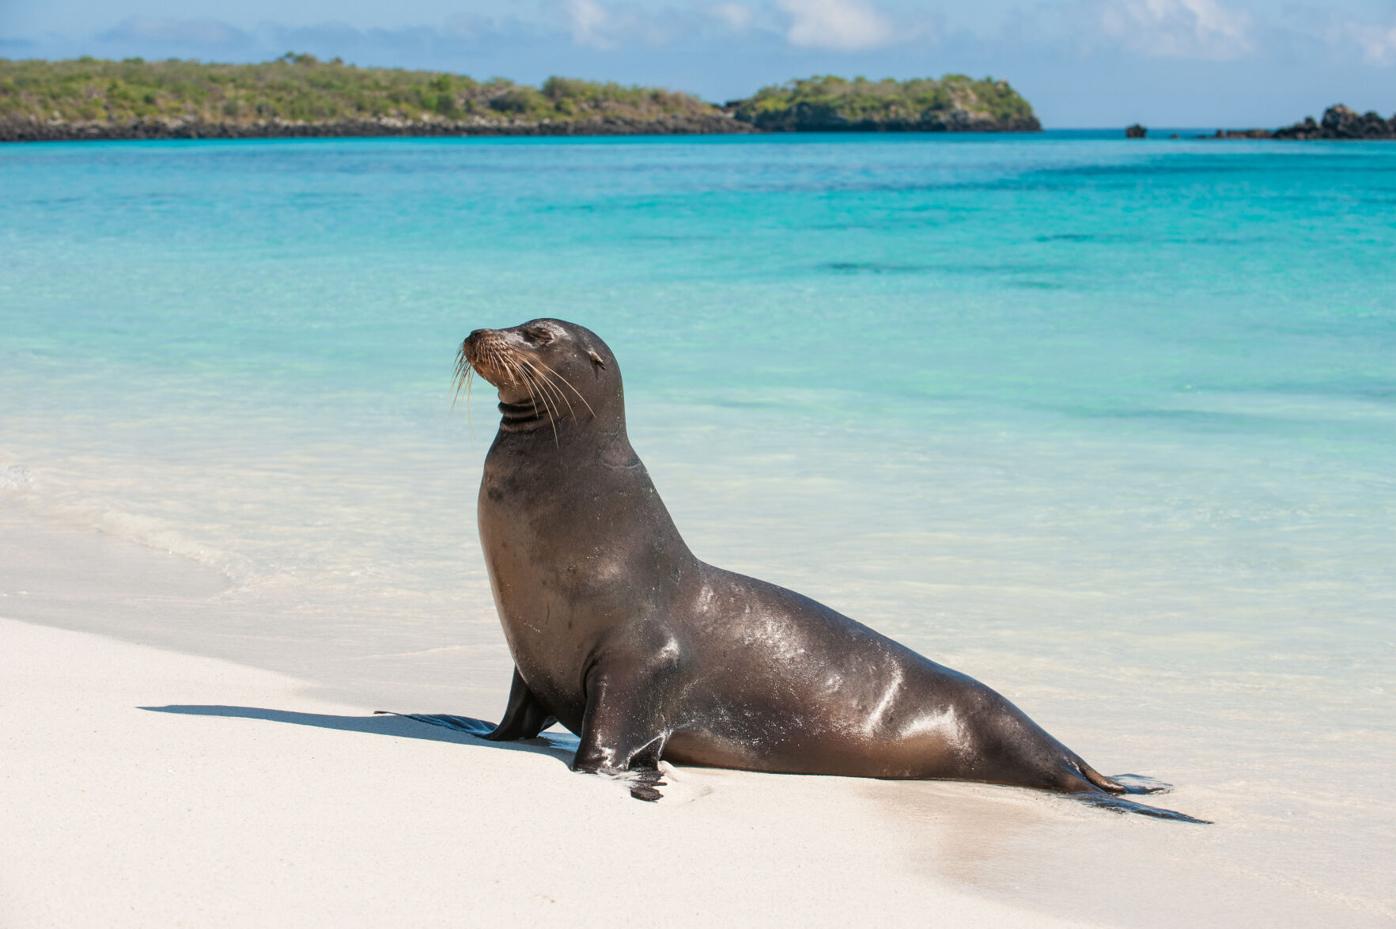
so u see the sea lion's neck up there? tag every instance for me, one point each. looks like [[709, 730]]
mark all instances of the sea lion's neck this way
[[525, 416], [554, 412], [556, 424]]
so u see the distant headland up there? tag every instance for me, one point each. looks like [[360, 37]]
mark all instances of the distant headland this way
[[301, 96]]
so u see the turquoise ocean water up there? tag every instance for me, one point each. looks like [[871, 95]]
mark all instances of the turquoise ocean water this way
[[1109, 424]]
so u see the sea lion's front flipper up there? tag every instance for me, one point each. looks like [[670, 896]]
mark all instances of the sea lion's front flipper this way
[[524, 716], [645, 784], [621, 732]]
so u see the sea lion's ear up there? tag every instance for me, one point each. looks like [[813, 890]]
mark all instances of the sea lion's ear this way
[[595, 359]]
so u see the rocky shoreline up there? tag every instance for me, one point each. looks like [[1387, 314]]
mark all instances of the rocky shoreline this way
[[720, 123], [1338, 122], [954, 121], [20, 130]]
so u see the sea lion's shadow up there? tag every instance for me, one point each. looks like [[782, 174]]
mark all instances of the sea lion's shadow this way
[[461, 730]]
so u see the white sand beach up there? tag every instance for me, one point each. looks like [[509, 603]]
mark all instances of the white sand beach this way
[[247, 803], [147, 787]]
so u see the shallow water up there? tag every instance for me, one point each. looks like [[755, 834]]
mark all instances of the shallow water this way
[[1110, 425]]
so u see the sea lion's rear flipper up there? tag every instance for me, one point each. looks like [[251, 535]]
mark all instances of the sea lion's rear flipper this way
[[524, 716], [1118, 804], [1120, 783], [466, 724], [1140, 784], [1090, 786]]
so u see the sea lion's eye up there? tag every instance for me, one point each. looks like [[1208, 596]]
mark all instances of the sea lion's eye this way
[[538, 334]]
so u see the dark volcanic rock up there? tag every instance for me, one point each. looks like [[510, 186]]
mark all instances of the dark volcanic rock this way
[[1242, 134], [1339, 122], [1136, 132], [1308, 129]]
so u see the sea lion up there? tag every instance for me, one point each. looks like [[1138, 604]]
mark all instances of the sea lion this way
[[645, 652]]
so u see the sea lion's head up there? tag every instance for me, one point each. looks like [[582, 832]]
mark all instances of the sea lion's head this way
[[549, 373]]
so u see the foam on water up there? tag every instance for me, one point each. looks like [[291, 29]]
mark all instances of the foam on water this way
[[1110, 425]]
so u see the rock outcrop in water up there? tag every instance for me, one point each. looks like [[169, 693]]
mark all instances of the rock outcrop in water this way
[[1136, 132], [1339, 122], [299, 95]]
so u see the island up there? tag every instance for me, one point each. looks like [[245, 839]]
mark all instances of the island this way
[[954, 103], [301, 95]]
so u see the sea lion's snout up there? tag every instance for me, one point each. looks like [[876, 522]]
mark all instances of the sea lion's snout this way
[[487, 351], [480, 342]]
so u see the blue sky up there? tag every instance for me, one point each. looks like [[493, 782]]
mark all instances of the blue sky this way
[[1196, 63]]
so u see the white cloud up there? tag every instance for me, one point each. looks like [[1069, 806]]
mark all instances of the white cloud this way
[[1378, 43], [610, 26], [591, 24], [589, 20], [840, 25], [1178, 28], [735, 16], [199, 33]]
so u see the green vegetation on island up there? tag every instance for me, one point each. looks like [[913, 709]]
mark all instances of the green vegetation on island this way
[[300, 95], [830, 104], [299, 91]]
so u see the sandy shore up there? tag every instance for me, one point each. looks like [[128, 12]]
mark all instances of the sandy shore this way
[[149, 788], [217, 763]]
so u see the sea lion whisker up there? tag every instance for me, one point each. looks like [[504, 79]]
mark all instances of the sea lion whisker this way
[[501, 361], [547, 405], [469, 383], [542, 378], [512, 369], [529, 383], [500, 364], [461, 383], [552, 420], [546, 389], [557, 393], [464, 374], [550, 379], [569, 387]]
